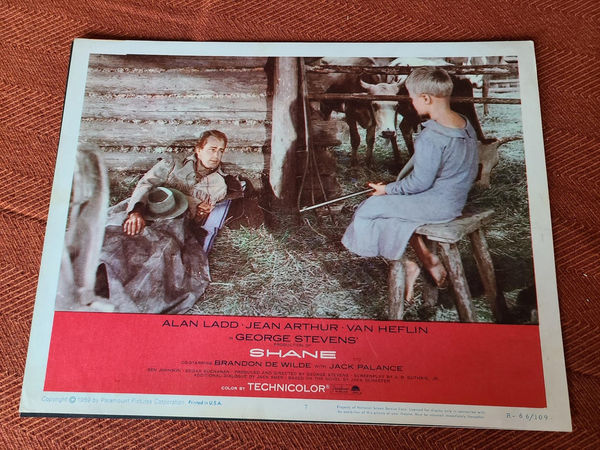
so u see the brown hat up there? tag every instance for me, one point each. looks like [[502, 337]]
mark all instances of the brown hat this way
[[165, 203]]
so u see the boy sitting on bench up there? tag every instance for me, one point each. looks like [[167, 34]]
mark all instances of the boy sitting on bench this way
[[445, 167]]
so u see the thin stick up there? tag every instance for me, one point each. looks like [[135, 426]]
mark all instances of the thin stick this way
[[308, 208]]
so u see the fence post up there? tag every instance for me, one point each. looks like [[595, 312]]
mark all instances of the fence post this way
[[284, 134]]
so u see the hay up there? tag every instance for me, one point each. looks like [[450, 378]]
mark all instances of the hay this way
[[302, 270], [290, 272]]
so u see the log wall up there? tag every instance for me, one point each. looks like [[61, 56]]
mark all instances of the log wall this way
[[137, 107]]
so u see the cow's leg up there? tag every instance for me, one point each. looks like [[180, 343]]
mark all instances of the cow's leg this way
[[471, 114], [397, 158], [326, 110], [407, 130], [464, 88], [370, 143], [354, 140], [474, 119]]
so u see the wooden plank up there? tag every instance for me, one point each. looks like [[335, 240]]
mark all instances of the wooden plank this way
[[483, 69], [255, 178], [453, 231], [396, 283], [320, 82], [165, 62], [117, 105], [248, 165], [108, 111], [284, 134], [406, 98], [495, 90], [136, 162], [485, 91], [177, 81], [512, 81], [451, 258], [159, 149], [106, 132]]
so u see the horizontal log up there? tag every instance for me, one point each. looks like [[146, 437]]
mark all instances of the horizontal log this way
[[177, 81], [504, 80], [503, 90], [406, 98], [159, 133], [110, 105], [117, 133], [318, 82], [255, 178], [486, 69], [166, 62], [233, 162], [212, 118]]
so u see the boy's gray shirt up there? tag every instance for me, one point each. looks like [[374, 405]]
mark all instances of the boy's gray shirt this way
[[440, 158], [445, 166]]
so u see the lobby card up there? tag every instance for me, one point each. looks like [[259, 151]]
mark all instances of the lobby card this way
[[288, 352]]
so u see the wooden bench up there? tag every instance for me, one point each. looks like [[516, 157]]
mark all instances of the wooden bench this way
[[446, 237]]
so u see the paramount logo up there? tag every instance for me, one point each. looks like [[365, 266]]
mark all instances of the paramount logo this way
[[303, 354]]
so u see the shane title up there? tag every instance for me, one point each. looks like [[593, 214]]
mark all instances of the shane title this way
[[303, 354]]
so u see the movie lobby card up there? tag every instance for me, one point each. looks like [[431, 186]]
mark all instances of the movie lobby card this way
[[174, 284]]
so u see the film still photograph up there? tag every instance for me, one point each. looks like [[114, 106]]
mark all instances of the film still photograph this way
[[283, 220]]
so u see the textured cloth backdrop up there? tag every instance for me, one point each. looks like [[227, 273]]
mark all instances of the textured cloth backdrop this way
[[35, 40]]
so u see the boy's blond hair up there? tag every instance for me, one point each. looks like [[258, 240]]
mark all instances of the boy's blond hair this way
[[429, 80]]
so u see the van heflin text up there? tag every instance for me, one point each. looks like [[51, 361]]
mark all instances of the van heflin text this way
[[296, 326]]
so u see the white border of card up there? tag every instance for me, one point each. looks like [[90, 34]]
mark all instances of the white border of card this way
[[556, 416]]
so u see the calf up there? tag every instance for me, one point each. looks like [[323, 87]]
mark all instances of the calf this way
[[489, 158]]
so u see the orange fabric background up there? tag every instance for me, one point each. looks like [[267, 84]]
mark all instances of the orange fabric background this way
[[35, 38]]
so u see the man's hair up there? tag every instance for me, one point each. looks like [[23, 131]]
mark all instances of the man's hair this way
[[214, 133], [429, 80]]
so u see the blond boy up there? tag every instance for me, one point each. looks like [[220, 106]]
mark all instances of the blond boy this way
[[445, 167]]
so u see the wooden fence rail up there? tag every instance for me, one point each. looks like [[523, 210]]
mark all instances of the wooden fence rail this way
[[406, 98], [488, 69]]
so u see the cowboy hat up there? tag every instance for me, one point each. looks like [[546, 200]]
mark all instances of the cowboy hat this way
[[165, 203]]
